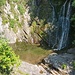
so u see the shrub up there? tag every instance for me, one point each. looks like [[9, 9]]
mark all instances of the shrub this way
[[73, 22], [73, 63], [4, 19], [73, 3], [73, 43], [33, 26], [12, 23], [7, 57], [15, 0], [64, 66], [21, 9], [2, 2]]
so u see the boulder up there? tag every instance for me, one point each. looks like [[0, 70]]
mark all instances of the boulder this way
[[61, 63], [71, 51], [29, 69]]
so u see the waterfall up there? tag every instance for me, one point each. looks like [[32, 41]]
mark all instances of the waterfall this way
[[65, 24], [53, 15], [57, 35], [62, 25]]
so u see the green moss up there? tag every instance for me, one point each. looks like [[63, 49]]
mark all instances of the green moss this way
[[30, 53]]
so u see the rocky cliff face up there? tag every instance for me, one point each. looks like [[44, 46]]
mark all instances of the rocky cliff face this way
[[14, 24], [26, 19]]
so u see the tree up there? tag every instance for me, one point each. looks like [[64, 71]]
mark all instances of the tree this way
[[7, 57], [73, 20]]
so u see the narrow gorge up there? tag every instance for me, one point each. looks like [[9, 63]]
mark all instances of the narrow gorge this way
[[41, 32], [53, 26]]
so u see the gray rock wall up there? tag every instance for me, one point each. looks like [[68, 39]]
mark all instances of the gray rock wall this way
[[16, 33]]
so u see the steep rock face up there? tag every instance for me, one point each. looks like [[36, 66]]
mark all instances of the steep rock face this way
[[13, 24], [49, 18], [29, 69], [1, 29], [57, 15]]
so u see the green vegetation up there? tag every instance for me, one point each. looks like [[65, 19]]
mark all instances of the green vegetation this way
[[38, 28], [15, 0], [73, 63], [73, 4], [21, 8], [7, 57], [22, 72], [73, 22], [2, 2], [42, 11], [30, 53], [12, 9], [21, 5], [64, 66], [33, 27], [5, 19], [12, 23], [15, 22]]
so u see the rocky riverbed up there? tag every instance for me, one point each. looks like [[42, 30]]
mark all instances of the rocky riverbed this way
[[54, 64]]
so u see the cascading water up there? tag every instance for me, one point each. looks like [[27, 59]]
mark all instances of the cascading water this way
[[62, 26], [64, 18]]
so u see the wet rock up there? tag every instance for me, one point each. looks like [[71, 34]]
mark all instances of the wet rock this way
[[61, 62], [71, 51]]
